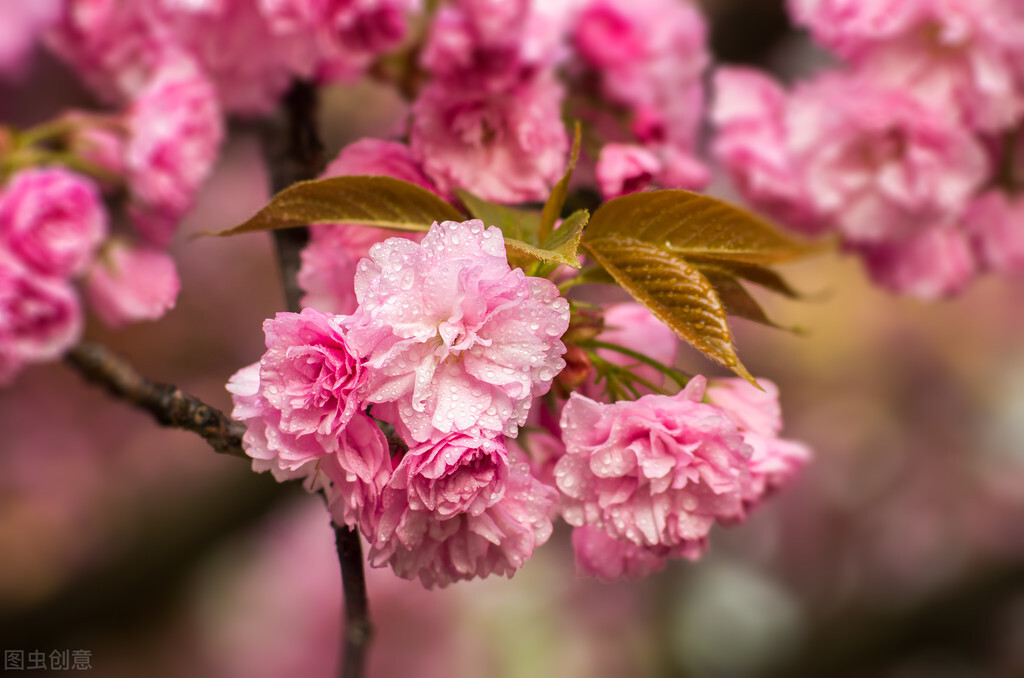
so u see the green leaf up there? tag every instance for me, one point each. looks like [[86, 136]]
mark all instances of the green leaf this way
[[553, 206], [519, 226], [516, 223], [563, 245], [694, 225], [365, 200], [675, 291]]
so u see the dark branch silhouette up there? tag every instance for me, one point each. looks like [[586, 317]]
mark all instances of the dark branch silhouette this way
[[168, 404]]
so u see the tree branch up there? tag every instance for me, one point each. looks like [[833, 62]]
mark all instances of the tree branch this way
[[294, 152], [168, 404], [358, 630]]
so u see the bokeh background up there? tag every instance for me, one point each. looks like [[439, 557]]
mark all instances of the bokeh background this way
[[898, 552]]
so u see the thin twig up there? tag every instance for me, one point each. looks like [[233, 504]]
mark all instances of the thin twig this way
[[358, 630], [167, 403], [294, 152]]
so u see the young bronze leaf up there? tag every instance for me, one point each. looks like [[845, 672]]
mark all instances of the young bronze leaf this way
[[555, 202], [674, 290], [519, 224], [694, 225], [759, 275], [737, 300], [364, 200]]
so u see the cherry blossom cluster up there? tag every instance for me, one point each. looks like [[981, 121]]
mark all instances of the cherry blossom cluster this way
[[493, 78], [63, 185], [449, 347], [456, 354], [909, 149], [249, 51]]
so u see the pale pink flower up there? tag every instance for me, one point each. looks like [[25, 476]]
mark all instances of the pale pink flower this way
[[959, 57], [681, 168], [52, 219], [250, 50], [871, 162], [40, 317], [130, 283], [175, 132], [352, 471], [498, 540], [758, 416], [329, 261], [881, 165], [650, 57], [600, 555], [462, 473], [539, 443], [310, 375], [494, 45], [625, 168], [21, 24], [115, 46], [351, 33], [246, 48], [453, 338], [607, 34], [309, 380], [931, 265], [657, 471], [995, 224], [507, 146], [751, 142]]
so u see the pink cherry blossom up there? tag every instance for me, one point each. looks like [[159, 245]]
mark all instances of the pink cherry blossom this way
[[751, 142], [115, 46], [175, 131], [418, 543], [758, 416], [657, 471], [495, 45], [995, 224], [40, 317], [309, 382], [600, 555], [53, 220], [129, 284], [351, 33], [871, 162], [650, 57], [453, 338], [249, 54], [508, 146], [959, 57], [20, 26], [936, 263], [462, 473], [881, 165], [352, 474], [329, 261], [625, 168], [250, 50]]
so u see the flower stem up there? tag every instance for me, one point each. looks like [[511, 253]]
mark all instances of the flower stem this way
[[675, 375]]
